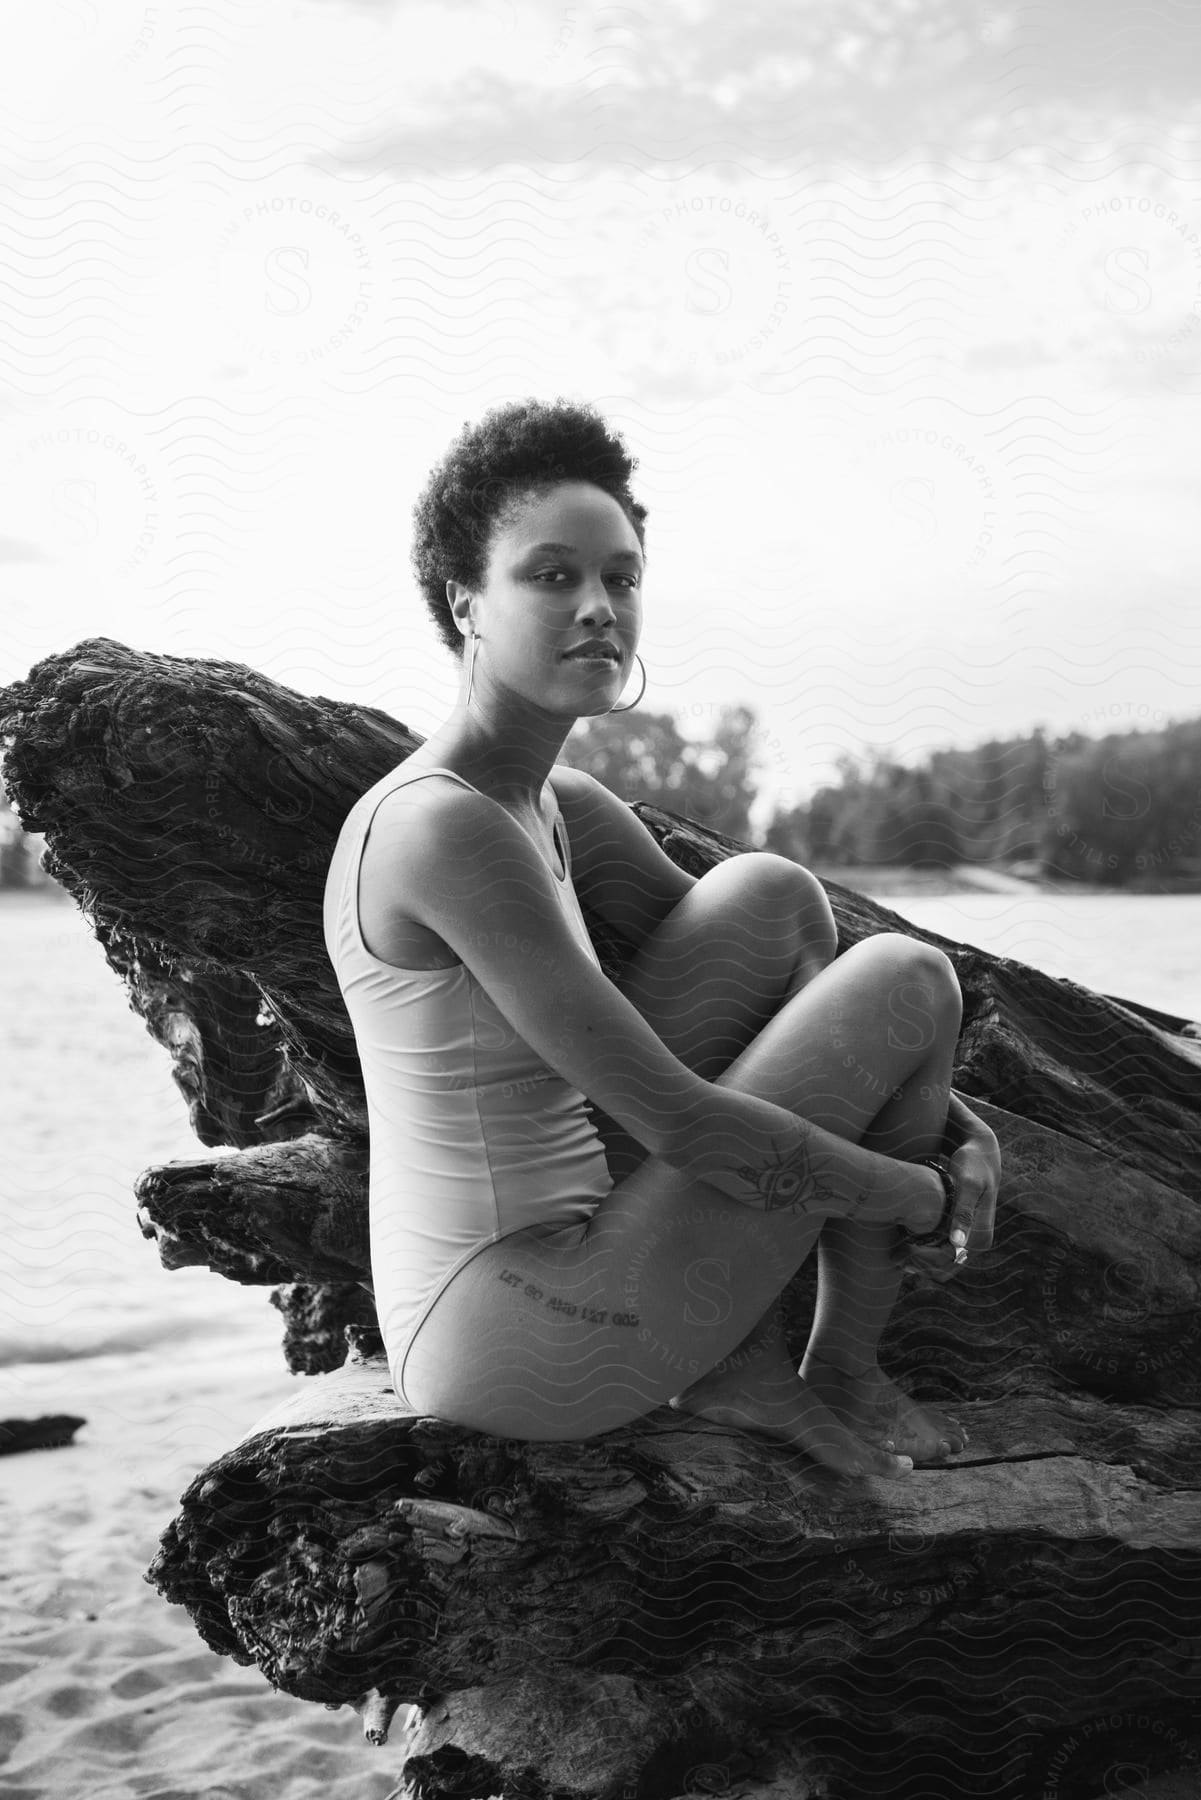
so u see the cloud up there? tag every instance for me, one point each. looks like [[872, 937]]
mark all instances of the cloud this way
[[853, 80], [13, 550]]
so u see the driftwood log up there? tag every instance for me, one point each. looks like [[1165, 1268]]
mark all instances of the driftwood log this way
[[672, 1609]]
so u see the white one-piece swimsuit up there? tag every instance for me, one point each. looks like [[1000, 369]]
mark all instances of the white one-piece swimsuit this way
[[472, 1135]]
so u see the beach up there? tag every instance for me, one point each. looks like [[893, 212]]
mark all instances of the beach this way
[[106, 1691]]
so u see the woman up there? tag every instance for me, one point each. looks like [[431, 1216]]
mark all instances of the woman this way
[[761, 1097]]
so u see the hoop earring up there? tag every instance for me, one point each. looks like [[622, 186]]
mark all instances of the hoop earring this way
[[640, 692], [470, 666]]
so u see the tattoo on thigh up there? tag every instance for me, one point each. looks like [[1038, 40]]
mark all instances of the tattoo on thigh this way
[[568, 1309]]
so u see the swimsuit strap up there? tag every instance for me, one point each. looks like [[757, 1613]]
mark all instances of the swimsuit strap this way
[[559, 829]]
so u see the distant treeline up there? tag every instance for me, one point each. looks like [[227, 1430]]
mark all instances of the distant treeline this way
[[1122, 810]]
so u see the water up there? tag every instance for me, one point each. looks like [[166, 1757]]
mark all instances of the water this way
[[89, 1104], [1143, 947]]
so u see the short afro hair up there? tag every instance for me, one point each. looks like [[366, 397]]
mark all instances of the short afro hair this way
[[516, 452]]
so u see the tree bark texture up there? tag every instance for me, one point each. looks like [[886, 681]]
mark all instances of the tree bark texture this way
[[673, 1608]]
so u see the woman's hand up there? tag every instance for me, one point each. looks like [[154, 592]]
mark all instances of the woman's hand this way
[[772, 1160], [976, 1165]]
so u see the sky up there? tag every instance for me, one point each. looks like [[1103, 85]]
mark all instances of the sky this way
[[897, 304]]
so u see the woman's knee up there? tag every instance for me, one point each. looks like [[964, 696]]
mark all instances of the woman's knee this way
[[920, 978], [800, 895]]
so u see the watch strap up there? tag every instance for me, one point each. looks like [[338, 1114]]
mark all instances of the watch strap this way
[[941, 1232]]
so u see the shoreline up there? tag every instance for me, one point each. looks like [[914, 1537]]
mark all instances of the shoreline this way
[[889, 880]]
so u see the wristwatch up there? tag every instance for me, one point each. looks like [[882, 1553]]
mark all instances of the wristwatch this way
[[940, 1233]]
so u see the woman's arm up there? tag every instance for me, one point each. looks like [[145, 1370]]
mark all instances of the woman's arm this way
[[459, 864], [617, 866]]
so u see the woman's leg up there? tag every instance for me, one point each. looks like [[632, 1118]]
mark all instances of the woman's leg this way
[[707, 981], [567, 1333], [858, 1280]]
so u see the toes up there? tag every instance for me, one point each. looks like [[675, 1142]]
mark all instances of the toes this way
[[889, 1467]]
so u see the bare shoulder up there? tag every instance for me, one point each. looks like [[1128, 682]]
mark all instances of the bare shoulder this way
[[417, 799], [406, 813], [441, 832], [416, 833], [570, 785]]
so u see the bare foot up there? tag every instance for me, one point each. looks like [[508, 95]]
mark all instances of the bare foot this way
[[882, 1413], [783, 1406]]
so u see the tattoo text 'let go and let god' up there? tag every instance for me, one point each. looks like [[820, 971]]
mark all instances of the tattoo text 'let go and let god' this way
[[568, 1309]]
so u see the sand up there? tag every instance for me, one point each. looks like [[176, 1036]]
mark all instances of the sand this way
[[106, 1691]]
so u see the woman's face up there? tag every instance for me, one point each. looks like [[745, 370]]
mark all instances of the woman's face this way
[[563, 568]]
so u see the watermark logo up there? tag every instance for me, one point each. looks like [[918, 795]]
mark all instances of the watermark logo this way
[[1094, 1314], [296, 273], [766, 752], [908, 1575], [144, 37], [665, 1262], [1128, 267], [1114, 1755], [724, 280], [907, 1017], [66, 47], [533, 44], [1107, 810], [89, 495], [707, 1285], [933, 494]]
